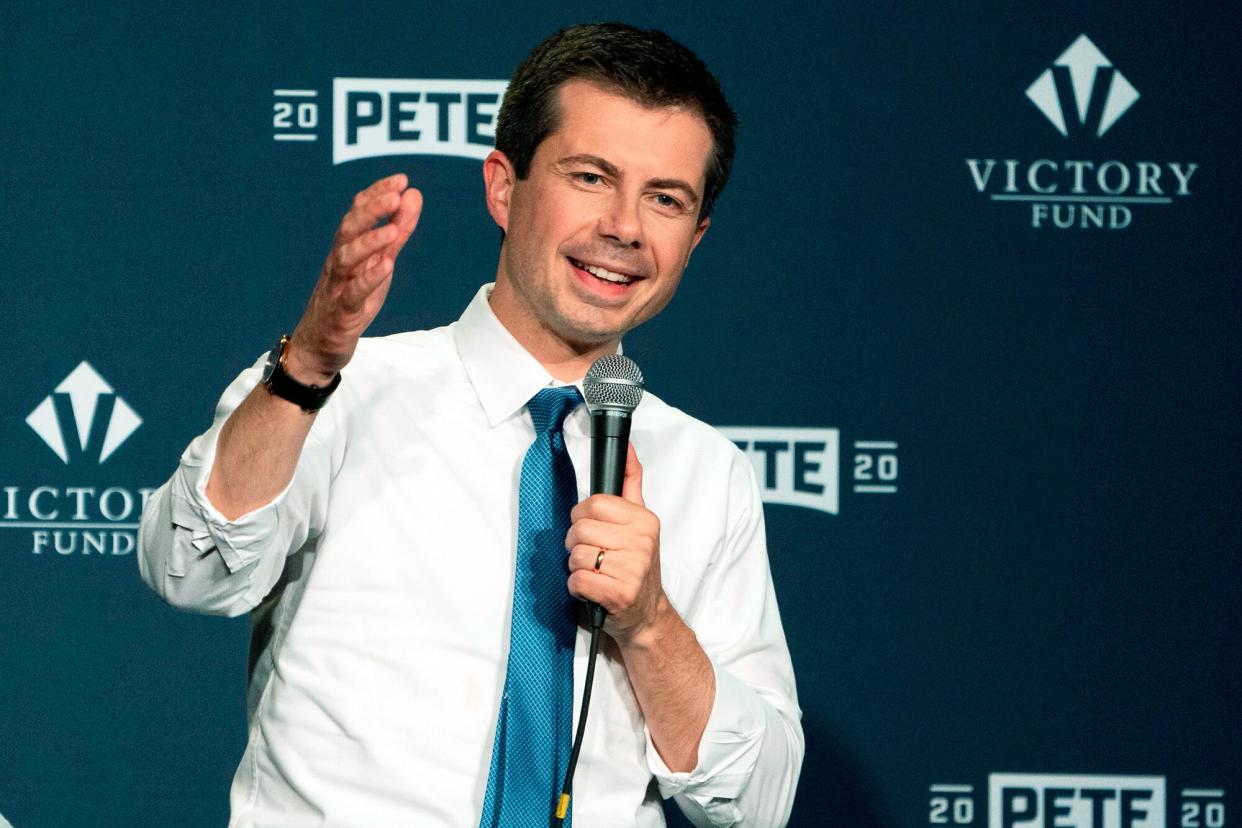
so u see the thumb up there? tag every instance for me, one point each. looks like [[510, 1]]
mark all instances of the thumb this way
[[632, 485]]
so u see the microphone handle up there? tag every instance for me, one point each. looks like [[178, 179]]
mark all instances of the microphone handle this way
[[610, 439]]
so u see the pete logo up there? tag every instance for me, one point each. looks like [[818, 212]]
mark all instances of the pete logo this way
[[1084, 78], [373, 117], [795, 466], [385, 116], [1029, 800], [83, 419]]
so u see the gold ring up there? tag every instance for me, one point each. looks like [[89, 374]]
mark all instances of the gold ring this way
[[599, 559]]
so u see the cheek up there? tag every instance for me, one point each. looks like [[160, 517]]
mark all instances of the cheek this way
[[544, 232], [530, 209], [673, 253]]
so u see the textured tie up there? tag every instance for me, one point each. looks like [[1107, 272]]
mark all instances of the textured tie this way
[[535, 727]]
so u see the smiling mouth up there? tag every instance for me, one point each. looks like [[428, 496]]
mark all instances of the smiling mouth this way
[[603, 273]]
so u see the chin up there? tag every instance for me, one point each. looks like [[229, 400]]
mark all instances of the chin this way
[[592, 333], [588, 324], [593, 338]]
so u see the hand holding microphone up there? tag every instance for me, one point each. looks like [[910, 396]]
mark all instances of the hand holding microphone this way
[[613, 527]]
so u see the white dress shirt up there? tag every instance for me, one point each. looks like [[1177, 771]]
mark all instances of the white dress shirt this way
[[381, 583]]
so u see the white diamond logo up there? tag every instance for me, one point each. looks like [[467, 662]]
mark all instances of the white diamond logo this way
[[1083, 63], [85, 391]]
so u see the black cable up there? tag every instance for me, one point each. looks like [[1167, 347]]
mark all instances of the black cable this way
[[562, 802]]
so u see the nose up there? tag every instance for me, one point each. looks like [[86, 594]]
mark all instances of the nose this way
[[622, 223]]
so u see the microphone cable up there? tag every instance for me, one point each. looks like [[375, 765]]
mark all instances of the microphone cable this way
[[562, 803]]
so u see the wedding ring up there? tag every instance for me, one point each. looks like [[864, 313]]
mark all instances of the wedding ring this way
[[599, 559]]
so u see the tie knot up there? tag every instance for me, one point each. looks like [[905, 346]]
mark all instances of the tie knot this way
[[550, 407]]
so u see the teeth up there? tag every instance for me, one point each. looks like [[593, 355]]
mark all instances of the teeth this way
[[605, 274]]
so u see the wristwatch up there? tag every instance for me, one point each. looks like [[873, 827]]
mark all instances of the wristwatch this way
[[310, 398]]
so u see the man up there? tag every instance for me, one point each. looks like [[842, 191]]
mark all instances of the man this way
[[364, 502]]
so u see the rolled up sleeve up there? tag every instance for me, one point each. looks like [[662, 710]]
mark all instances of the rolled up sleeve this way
[[750, 753], [197, 559]]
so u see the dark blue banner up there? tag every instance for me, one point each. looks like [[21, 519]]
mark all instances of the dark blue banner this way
[[970, 305]]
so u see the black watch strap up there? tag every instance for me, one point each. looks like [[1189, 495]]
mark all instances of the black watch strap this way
[[310, 398]]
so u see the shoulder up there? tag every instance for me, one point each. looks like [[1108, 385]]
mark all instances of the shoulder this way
[[667, 421], [410, 356], [698, 481], [674, 434], [394, 374]]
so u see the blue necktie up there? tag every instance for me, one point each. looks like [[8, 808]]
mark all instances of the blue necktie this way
[[535, 727]]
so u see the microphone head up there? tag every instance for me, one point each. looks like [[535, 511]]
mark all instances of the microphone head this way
[[614, 383]]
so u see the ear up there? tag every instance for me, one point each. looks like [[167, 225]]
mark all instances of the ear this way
[[699, 231], [698, 236], [498, 181]]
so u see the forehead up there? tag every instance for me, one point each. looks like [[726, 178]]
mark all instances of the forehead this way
[[648, 142]]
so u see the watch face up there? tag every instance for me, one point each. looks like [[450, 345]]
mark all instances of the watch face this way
[[273, 359]]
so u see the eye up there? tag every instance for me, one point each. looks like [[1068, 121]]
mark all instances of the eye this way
[[589, 178], [666, 200]]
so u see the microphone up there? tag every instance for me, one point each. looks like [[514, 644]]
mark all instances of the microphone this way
[[612, 389]]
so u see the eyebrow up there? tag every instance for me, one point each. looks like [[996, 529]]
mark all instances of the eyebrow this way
[[608, 168]]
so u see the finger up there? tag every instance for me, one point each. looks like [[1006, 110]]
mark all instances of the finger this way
[[599, 534], [632, 485], [392, 183], [587, 586], [608, 508], [614, 595], [350, 255], [372, 204], [584, 556], [368, 209], [405, 219], [375, 272], [580, 586]]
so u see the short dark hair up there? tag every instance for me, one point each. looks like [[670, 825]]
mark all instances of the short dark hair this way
[[645, 65]]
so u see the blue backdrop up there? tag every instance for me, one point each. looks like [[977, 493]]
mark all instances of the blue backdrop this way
[[977, 269]]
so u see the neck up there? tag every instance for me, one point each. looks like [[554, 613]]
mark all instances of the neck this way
[[572, 370], [564, 359]]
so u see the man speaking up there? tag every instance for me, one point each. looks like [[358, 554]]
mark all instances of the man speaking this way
[[407, 519]]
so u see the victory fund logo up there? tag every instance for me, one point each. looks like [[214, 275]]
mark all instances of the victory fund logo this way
[[377, 116], [83, 421], [1065, 800], [1082, 95], [801, 466]]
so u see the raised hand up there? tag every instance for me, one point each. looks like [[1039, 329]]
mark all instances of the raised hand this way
[[355, 278]]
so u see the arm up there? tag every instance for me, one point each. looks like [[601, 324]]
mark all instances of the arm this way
[[214, 537], [671, 675], [259, 445], [724, 729], [196, 558]]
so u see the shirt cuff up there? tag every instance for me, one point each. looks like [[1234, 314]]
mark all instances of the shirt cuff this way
[[240, 541], [728, 751]]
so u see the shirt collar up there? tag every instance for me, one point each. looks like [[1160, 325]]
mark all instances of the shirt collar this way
[[504, 374]]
